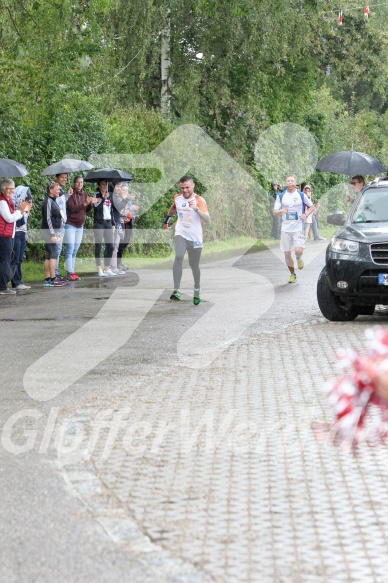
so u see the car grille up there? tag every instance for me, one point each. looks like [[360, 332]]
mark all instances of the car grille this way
[[379, 253]]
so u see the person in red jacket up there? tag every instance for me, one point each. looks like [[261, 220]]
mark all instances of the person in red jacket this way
[[8, 218], [77, 205]]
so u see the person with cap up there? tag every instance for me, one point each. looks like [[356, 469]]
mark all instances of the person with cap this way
[[276, 221]]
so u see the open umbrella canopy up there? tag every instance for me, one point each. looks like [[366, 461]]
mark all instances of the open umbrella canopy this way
[[11, 169], [107, 174], [351, 163], [67, 165]]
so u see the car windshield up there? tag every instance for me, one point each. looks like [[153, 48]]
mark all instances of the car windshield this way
[[372, 206]]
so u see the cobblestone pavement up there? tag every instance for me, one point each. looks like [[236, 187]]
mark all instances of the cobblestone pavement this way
[[227, 474]]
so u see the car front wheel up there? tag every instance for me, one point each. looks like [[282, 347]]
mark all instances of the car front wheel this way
[[330, 304]]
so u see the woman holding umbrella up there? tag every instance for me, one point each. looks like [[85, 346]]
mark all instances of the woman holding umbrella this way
[[103, 224]]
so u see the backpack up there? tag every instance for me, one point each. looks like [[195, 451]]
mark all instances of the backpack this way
[[300, 194]]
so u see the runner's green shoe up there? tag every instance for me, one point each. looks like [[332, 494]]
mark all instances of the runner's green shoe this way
[[300, 263], [197, 297], [292, 278], [175, 295]]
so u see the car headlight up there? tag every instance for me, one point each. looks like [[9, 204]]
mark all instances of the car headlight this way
[[344, 245]]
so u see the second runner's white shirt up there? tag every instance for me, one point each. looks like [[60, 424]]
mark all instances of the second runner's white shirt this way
[[291, 222]]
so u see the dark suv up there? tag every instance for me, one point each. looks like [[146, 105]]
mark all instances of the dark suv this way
[[355, 277]]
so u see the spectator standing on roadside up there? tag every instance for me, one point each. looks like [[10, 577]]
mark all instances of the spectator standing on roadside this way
[[8, 218], [61, 179], [77, 205], [127, 218], [119, 201], [21, 193], [309, 220], [52, 223], [103, 224], [276, 220]]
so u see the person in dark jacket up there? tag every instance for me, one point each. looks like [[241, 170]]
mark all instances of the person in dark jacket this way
[[276, 221], [8, 218], [103, 228], [119, 200], [77, 205], [52, 221]]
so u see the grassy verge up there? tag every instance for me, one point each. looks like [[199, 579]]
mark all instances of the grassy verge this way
[[212, 251]]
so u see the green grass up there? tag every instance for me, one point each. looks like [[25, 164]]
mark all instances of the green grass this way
[[212, 251]]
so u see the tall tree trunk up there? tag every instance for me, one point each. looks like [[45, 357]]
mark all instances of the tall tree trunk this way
[[165, 63]]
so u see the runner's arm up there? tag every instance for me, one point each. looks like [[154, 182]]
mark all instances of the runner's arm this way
[[203, 215], [171, 213]]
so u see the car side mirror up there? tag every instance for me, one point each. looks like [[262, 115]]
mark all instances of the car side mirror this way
[[337, 219]]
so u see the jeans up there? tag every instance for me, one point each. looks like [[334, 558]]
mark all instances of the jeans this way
[[73, 238], [276, 226], [103, 233], [6, 246], [19, 246], [59, 248], [315, 228]]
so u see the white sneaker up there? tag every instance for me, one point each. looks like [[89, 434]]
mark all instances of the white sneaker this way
[[7, 292], [109, 273], [101, 273], [22, 286], [117, 271]]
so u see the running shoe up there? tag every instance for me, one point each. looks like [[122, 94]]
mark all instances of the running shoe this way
[[196, 301], [101, 273], [21, 286], [110, 273], [7, 292], [292, 278], [300, 263], [58, 282], [73, 277], [122, 267], [60, 278], [175, 295]]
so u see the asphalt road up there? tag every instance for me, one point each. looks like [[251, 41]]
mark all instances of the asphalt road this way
[[101, 335]]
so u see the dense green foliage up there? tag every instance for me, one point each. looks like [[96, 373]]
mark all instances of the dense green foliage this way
[[83, 78]]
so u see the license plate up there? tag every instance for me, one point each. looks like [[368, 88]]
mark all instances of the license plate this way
[[383, 278]]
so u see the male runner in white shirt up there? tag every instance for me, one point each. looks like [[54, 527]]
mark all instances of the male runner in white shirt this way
[[192, 210], [290, 205]]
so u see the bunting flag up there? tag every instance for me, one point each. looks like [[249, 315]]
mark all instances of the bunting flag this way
[[340, 17]]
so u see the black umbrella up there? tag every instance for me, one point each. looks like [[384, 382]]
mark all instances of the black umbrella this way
[[108, 174], [67, 165], [11, 169], [351, 163]]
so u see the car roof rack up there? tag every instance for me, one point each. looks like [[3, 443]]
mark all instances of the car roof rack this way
[[376, 181]]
